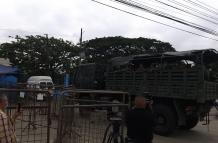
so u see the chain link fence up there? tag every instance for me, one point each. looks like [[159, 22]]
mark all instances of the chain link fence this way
[[33, 126]]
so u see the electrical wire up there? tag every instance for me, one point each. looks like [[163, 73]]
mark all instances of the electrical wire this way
[[157, 6], [206, 5], [171, 6], [180, 29], [136, 5], [201, 6], [192, 9]]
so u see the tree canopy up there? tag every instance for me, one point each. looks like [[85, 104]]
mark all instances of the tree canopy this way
[[102, 49], [41, 55]]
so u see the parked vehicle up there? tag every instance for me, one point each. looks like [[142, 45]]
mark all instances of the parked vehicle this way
[[40, 82], [183, 84]]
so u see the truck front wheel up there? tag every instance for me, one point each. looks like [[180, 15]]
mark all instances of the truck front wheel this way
[[165, 119], [191, 122]]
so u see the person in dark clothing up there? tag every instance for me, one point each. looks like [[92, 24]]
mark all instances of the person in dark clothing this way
[[140, 121]]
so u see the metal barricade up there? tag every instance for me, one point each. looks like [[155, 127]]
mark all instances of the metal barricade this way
[[79, 123], [76, 119], [34, 124]]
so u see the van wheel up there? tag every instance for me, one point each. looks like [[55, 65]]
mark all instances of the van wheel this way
[[165, 120]]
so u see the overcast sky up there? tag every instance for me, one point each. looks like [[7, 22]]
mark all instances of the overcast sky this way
[[64, 18]]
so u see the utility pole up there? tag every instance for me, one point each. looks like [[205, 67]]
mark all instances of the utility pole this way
[[82, 53], [81, 38]]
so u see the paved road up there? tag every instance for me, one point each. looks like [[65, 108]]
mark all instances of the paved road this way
[[199, 134]]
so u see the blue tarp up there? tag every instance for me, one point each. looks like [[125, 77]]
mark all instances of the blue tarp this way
[[8, 70], [8, 76], [8, 81]]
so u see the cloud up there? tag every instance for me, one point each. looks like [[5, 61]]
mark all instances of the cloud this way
[[64, 18]]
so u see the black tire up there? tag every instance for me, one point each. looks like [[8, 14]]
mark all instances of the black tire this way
[[165, 120], [191, 122]]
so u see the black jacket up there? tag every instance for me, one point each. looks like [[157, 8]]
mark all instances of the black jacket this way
[[140, 124]]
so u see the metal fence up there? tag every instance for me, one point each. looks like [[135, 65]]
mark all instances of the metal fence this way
[[64, 117], [34, 124], [86, 97], [68, 117], [76, 128], [79, 123]]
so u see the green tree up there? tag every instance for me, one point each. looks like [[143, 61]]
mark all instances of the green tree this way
[[102, 49], [41, 55]]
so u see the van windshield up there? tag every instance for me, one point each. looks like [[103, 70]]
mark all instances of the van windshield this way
[[42, 85], [49, 84]]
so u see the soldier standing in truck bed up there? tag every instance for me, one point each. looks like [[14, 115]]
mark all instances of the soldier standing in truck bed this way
[[140, 121]]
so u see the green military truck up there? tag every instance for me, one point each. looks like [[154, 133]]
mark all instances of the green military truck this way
[[183, 85]]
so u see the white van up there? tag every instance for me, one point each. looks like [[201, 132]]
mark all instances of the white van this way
[[40, 82]]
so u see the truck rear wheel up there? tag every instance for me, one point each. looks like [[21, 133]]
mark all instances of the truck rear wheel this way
[[165, 120], [191, 122]]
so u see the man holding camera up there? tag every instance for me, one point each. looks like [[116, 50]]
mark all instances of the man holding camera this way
[[140, 121]]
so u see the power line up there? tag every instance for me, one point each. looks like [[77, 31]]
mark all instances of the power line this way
[[201, 6], [192, 9], [136, 5], [193, 33], [164, 15], [166, 4], [159, 7], [185, 9], [206, 5]]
